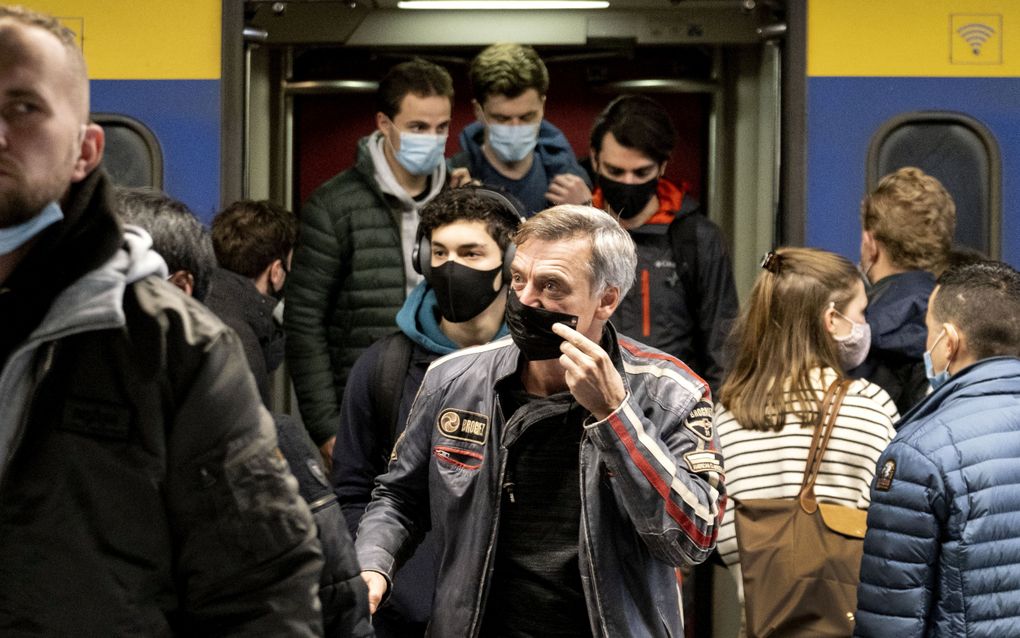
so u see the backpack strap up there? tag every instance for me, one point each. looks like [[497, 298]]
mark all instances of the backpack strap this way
[[388, 385]]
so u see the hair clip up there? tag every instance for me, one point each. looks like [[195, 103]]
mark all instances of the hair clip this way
[[770, 262]]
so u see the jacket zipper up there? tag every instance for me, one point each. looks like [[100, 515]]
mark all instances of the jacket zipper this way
[[587, 538], [483, 591]]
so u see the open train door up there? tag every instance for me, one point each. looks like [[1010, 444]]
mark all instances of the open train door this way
[[307, 72]]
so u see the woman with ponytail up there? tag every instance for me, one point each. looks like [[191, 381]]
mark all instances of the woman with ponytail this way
[[801, 329]]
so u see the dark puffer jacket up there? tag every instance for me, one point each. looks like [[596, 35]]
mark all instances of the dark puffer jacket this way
[[141, 491], [346, 285], [943, 542]]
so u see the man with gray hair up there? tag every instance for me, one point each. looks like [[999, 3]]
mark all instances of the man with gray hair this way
[[566, 471]]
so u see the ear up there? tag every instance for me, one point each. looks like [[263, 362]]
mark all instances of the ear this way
[[479, 112], [594, 160], [869, 246], [381, 120], [953, 343], [607, 303], [662, 169], [829, 319], [183, 280], [91, 153], [277, 273]]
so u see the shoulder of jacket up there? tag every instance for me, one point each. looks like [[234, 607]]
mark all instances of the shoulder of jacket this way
[[162, 306], [345, 193], [660, 368]]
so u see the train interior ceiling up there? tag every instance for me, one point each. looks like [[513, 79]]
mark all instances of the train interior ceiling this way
[[310, 71]]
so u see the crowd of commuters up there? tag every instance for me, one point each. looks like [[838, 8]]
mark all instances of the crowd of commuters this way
[[529, 400]]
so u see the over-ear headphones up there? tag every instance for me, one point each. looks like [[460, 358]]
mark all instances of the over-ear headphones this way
[[507, 207]]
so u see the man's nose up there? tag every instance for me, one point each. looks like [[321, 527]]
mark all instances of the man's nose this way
[[529, 296]]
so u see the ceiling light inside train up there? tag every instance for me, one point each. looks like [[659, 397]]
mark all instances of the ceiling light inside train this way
[[503, 4]]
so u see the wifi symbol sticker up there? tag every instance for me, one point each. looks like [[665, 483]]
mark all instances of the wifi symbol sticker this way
[[975, 39]]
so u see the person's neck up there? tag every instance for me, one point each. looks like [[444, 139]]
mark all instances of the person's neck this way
[[11, 260], [413, 185], [544, 378], [479, 329], [883, 268], [641, 218], [509, 170]]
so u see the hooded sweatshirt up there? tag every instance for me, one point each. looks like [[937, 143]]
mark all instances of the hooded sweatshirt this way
[[408, 206]]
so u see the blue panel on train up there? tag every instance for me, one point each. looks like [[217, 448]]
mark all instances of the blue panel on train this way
[[185, 116], [844, 113]]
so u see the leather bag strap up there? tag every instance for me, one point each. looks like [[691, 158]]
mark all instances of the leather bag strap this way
[[830, 406]]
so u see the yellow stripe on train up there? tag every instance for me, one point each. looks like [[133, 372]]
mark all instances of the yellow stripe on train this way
[[915, 38], [143, 39]]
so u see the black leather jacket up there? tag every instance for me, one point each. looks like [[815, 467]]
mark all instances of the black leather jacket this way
[[651, 490]]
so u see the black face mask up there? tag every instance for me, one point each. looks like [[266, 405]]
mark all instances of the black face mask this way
[[627, 200], [462, 292], [531, 329]]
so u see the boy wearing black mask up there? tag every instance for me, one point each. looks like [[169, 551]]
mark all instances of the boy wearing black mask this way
[[463, 251], [685, 299]]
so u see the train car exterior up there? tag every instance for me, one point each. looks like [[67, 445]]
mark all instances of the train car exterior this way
[[157, 64], [877, 66]]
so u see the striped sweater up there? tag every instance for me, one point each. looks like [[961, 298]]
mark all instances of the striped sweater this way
[[767, 464]]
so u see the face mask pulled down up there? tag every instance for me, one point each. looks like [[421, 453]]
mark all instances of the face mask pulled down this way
[[531, 329]]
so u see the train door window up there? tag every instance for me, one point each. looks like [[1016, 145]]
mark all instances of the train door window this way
[[132, 156], [962, 154]]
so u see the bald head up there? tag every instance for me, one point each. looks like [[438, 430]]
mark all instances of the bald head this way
[[23, 32]]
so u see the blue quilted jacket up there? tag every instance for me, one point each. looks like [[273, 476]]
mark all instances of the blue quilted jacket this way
[[942, 553]]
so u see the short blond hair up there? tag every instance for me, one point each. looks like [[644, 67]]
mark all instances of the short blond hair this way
[[78, 74], [914, 217], [507, 69]]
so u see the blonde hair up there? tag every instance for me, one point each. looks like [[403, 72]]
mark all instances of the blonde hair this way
[[780, 337], [914, 217], [507, 69]]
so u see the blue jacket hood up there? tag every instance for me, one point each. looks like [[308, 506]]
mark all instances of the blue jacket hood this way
[[419, 320]]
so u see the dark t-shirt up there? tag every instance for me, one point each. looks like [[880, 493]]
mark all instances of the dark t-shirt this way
[[536, 585], [530, 189]]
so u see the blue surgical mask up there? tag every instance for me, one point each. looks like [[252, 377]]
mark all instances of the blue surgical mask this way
[[940, 379], [420, 153], [512, 142], [14, 237]]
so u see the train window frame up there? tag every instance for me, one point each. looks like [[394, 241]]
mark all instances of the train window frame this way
[[993, 156], [148, 138]]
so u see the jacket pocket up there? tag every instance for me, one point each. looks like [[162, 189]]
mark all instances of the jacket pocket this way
[[458, 457]]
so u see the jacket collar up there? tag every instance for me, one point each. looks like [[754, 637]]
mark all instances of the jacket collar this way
[[979, 379]]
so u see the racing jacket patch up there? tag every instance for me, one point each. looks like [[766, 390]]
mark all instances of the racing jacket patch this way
[[463, 425]]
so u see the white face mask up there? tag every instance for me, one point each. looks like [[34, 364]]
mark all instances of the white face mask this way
[[853, 347]]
